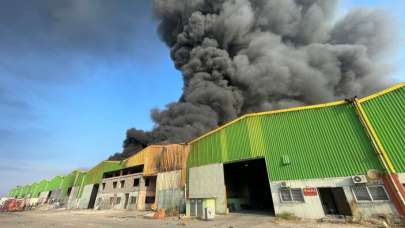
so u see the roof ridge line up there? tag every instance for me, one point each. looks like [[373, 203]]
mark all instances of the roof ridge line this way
[[299, 108]]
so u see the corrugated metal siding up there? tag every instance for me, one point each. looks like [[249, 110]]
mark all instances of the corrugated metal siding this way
[[160, 158], [80, 179], [54, 183], [321, 142], [95, 174], [25, 191], [42, 186], [33, 189], [68, 181], [387, 116]]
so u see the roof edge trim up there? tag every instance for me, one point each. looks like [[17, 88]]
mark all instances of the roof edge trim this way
[[299, 108], [381, 93]]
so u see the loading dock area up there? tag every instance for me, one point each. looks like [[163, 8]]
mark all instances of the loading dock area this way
[[247, 186]]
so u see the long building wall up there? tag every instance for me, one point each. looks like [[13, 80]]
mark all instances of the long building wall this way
[[108, 194], [290, 142], [315, 146], [312, 205], [318, 146]]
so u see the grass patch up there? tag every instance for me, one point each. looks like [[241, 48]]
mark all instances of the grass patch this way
[[287, 216]]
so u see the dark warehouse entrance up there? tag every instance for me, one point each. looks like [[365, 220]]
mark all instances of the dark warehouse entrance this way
[[247, 187], [93, 196], [334, 201]]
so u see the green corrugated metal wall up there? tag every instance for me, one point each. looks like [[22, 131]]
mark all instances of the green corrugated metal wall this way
[[25, 191], [16, 191], [41, 187], [19, 192], [321, 142], [69, 181], [33, 189], [95, 174], [55, 183], [387, 115], [80, 179]]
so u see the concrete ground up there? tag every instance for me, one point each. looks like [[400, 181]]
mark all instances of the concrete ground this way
[[116, 219]]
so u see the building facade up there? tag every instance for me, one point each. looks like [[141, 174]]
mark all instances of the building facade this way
[[316, 160], [341, 158], [152, 178]]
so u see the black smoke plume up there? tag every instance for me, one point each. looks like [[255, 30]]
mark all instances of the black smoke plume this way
[[240, 56]]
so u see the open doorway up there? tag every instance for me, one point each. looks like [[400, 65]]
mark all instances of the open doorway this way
[[334, 201], [48, 197], [126, 200], [247, 187], [93, 196]]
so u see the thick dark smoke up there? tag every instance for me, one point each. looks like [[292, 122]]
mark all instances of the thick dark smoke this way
[[240, 56]]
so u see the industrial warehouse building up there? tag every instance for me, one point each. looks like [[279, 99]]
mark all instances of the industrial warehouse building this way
[[84, 195], [340, 158], [152, 178], [336, 158]]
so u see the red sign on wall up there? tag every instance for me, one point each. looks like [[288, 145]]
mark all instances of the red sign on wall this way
[[310, 192]]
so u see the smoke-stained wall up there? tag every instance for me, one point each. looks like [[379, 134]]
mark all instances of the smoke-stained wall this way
[[239, 56]]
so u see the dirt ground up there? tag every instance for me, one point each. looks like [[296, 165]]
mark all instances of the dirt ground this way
[[116, 219]]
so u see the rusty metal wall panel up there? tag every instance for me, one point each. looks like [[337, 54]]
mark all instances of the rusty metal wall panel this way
[[160, 158]]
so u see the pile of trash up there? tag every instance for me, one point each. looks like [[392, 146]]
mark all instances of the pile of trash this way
[[12, 205]]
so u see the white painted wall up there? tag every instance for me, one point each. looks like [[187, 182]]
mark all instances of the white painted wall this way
[[401, 178], [103, 201], [312, 208], [85, 197], [43, 196], [33, 201], [73, 201], [208, 182]]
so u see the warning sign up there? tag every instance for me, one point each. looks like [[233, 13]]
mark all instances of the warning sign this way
[[310, 192]]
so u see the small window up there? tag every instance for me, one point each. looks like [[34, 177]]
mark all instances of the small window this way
[[361, 193], [365, 193], [118, 200], [136, 182], [122, 184], [103, 186], [285, 195], [133, 200], [115, 184], [150, 199], [378, 192], [291, 195], [112, 200], [147, 182]]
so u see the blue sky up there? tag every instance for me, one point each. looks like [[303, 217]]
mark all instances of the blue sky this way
[[66, 100]]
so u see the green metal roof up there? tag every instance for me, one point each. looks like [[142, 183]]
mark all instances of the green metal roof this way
[[95, 174], [55, 183], [70, 180], [386, 113], [324, 141], [41, 187]]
